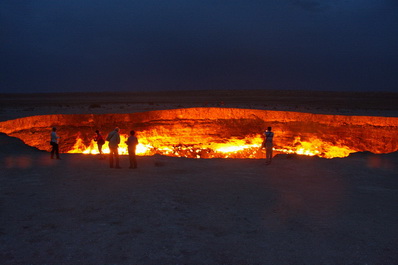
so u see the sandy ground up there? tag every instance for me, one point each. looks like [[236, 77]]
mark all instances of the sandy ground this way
[[298, 210]]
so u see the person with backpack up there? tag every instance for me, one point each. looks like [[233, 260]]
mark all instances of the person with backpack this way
[[114, 140]]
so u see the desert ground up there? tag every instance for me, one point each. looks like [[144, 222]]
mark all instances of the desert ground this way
[[298, 210]]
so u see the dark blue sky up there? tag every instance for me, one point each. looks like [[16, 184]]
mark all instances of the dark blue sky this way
[[127, 45]]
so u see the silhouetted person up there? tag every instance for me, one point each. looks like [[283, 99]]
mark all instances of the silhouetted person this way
[[100, 142], [114, 139], [54, 143], [268, 144], [132, 143]]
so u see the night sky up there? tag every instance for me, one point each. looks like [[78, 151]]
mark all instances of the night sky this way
[[152, 45]]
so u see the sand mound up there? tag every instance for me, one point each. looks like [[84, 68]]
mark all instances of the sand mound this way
[[12, 145]]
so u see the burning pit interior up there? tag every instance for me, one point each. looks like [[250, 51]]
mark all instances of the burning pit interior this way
[[214, 132]]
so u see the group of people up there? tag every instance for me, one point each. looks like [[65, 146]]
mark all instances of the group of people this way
[[114, 140]]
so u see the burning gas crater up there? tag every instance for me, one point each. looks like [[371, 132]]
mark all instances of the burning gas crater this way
[[214, 132]]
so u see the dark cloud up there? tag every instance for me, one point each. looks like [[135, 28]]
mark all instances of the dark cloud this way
[[134, 45]]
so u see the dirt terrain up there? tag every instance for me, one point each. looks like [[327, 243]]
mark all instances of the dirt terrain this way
[[298, 210], [344, 103]]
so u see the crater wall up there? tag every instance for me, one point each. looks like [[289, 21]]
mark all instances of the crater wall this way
[[198, 125]]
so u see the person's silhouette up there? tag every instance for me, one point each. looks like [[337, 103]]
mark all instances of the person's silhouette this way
[[54, 143], [268, 144], [132, 143], [114, 140], [100, 142]]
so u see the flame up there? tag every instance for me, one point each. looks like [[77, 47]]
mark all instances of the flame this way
[[248, 147], [316, 147], [80, 147]]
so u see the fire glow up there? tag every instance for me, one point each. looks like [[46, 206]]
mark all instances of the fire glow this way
[[214, 132], [234, 148]]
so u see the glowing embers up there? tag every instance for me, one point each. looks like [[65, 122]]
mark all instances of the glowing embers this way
[[249, 147], [148, 146], [215, 132], [316, 147]]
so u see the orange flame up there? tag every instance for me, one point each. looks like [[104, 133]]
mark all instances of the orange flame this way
[[249, 147], [316, 147]]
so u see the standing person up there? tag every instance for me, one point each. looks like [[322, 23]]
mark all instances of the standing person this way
[[100, 142], [132, 143], [268, 144], [54, 143], [114, 140]]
